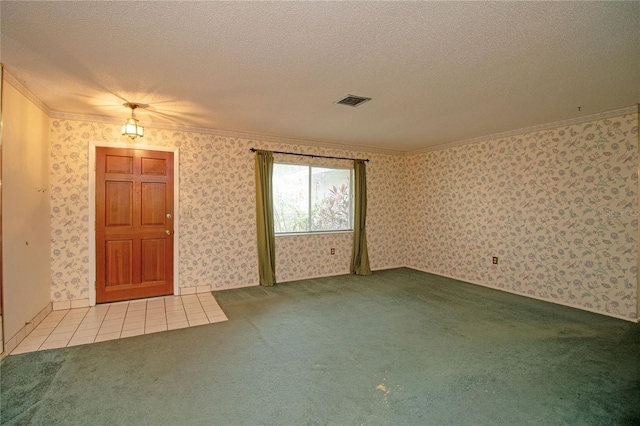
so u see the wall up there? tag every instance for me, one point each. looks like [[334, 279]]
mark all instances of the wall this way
[[558, 207], [25, 210], [218, 243]]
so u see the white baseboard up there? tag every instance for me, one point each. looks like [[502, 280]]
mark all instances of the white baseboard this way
[[609, 314], [243, 285], [334, 275], [384, 268], [313, 277]]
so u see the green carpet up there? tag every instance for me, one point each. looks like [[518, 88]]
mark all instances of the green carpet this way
[[398, 347]]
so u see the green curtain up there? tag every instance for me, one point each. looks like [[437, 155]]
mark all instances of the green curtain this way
[[264, 212], [360, 256]]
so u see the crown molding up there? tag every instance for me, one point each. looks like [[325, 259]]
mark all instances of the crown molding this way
[[635, 109], [229, 134], [20, 87], [9, 78]]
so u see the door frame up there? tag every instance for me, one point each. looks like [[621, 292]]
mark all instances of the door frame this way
[[93, 146]]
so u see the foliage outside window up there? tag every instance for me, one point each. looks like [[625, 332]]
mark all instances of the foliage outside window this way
[[311, 199]]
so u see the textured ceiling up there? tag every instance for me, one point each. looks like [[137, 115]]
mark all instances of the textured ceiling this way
[[437, 72]]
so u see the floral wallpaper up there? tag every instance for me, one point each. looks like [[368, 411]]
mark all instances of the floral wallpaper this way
[[218, 242], [559, 208], [309, 256]]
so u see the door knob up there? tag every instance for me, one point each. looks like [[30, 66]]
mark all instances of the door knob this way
[[168, 215], [167, 232]]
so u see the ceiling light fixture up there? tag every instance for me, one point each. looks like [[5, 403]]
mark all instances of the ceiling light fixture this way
[[132, 127]]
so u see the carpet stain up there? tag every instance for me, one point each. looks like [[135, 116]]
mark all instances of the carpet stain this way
[[382, 388], [385, 392]]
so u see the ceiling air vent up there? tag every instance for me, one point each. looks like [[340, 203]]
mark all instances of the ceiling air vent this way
[[352, 100]]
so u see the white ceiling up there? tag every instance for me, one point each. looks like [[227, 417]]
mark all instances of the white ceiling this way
[[438, 72]]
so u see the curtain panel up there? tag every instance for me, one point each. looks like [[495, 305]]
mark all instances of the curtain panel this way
[[264, 215], [360, 256]]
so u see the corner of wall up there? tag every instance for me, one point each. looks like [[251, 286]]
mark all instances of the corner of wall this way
[[534, 200], [638, 214]]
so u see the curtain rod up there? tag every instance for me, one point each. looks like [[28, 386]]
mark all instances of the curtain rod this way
[[312, 156]]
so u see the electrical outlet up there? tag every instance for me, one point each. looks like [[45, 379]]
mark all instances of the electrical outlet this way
[[186, 212], [495, 260], [333, 251]]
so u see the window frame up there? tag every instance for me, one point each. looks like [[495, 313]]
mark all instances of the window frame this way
[[309, 204]]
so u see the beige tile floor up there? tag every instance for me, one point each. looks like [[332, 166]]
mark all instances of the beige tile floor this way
[[80, 326]]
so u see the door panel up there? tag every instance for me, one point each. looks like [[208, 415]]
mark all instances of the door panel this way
[[153, 166], [134, 225], [153, 255], [119, 258], [119, 204], [119, 164], [153, 208]]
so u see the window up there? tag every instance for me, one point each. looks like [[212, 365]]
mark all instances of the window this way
[[311, 199]]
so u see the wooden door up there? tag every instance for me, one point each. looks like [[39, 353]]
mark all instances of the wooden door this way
[[134, 224]]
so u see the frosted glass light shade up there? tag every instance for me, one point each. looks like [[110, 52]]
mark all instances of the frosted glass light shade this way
[[132, 129]]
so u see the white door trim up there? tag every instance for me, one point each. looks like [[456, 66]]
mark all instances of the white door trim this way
[[92, 210]]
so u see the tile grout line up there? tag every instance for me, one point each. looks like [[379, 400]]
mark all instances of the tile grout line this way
[[124, 319], [101, 322], [45, 339], [49, 334], [204, 310], [166, 313], [105, 318], [76, 330], [52, 330], [146, 315], [184, 311]]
